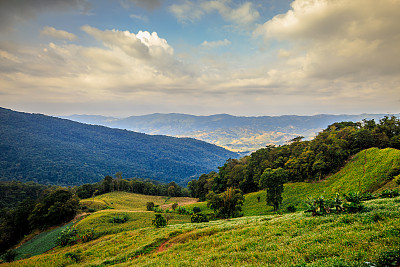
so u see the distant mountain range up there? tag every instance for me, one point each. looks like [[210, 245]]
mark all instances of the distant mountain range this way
[[240, 134], [49, 150]]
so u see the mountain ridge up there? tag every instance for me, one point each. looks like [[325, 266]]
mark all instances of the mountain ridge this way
[[53, 150], [236, 133]]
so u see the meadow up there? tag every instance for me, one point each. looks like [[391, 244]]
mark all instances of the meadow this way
[[259, 238], [295, 239]]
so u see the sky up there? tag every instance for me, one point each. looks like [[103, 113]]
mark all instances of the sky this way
[[246, 58]]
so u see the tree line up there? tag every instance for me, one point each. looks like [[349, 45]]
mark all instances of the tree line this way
[[298, 160]]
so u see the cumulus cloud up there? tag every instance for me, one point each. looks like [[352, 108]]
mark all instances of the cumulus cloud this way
[[354, 39], [14, 11], [191, 11], [59, 34], [214, 44]]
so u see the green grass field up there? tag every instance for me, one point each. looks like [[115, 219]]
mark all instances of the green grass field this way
[[273, 240], [260, 238]]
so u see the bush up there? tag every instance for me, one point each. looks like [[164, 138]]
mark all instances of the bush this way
[[88, 235], [159, 221], [196, 210], [119, 219], [198, 218], [9, 256], [75, 256], [389, 258], [149, 206], [389, 193], [68, 236], [174, 206], [158, 209], [291, 208], [182, 211]]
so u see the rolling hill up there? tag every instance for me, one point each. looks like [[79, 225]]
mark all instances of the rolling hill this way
[[235, 133], [49, 150]]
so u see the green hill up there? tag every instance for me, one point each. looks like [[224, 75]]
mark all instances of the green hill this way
[[260, 238], [274, 240], [50, 150]]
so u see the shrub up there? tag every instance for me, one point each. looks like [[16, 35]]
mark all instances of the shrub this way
[[389, 193], [183, 211], [159, 221], [88, 235], [291, 208], [149, 206], [198, 218], [389, 258], [158, 209], [75, 256], [196, 210], [68, 236], [9, 256], [174, 206], [367, 196], [119, 219]]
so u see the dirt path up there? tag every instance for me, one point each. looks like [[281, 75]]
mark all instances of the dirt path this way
[[169, 243]]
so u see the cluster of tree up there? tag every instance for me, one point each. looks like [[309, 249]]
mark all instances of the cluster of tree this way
[[12, 193], [299, 160], [53, 207], [139, 186]]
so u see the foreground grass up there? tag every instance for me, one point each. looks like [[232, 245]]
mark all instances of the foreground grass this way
[[273, 240]]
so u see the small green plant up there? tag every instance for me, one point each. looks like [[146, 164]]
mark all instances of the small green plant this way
[[9, 256], [75, 256], [87, 235], [196, 210], [198, 218], [389, 193], [158, 209], [149, 206], [174, 206], [388, 258], [159, 221], [68, 236], [119, 219], [291, 208], [183, 211]]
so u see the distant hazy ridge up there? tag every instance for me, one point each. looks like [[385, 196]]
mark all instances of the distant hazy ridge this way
[[234, 133]]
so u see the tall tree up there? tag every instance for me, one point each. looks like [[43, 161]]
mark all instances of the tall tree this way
[[272, 180]]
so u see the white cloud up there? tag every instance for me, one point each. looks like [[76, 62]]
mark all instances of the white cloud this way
[[214, 44], [139, 17], [59, 34], [192, 11]]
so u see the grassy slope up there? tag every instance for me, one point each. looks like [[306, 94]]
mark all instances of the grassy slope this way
[[257, 240], [272, 240], [366, 171]]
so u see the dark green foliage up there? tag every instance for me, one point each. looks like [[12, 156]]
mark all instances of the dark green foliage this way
[[12, 193], [51, 150], [322, 206], [150, 206], [198, 218], [119, 219], [388, 258], [182, 211], [227, 204], [75, 256], [159, 221], [389, 193], [87, 235], [291, 208], [272, 181], [196, 209], [54, 208], [9, 256], [68, 236]]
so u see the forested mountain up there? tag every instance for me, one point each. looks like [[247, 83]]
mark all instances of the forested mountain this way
[[49, 150], [232, 132]]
